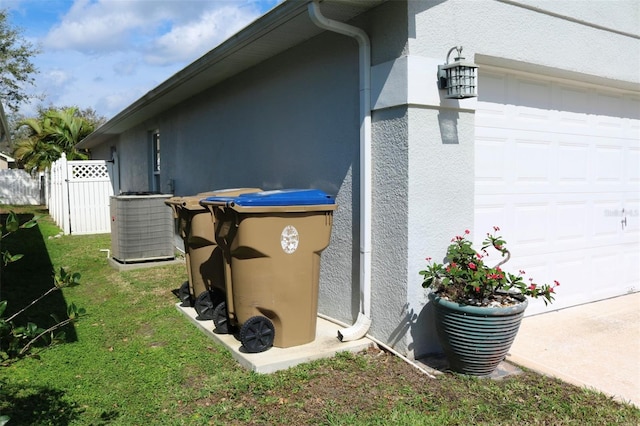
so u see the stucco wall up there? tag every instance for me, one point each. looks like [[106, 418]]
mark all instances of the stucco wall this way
[[390, 154], [441, 175], [291, 122], [498, 29]]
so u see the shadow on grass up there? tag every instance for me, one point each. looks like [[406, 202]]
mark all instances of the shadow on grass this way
[[36, 405], [23, 281]]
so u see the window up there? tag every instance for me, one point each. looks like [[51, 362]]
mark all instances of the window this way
[[155, 161]]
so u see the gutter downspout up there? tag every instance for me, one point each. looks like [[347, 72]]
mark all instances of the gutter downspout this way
[[363, 322]]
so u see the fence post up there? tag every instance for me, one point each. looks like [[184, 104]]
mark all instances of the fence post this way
[[66, 225], [54, 196]]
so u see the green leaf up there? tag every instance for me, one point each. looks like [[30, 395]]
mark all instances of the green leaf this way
[[72, 310], [4, 420], [3, 306], [30, 224], [32, 329], [75, 279], [11, 224]]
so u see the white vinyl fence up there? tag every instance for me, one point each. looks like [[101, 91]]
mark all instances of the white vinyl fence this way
[[79, 195], [20, 188]]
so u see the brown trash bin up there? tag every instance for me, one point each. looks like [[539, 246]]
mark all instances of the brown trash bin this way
[[205, 287], [272, 242]]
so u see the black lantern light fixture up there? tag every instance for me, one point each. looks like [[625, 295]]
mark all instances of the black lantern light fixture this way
[[458, 77]]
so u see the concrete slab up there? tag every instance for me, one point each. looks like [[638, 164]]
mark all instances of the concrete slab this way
[[141, 265], [596, 345], [326, 345]]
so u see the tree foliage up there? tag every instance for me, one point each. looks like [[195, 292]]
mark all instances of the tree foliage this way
[[16, 69], [55, 131]]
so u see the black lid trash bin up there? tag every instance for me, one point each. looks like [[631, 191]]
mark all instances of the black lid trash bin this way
[[204, 288]]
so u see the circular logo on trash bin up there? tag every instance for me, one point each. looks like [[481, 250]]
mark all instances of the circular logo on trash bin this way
[[289, 239]]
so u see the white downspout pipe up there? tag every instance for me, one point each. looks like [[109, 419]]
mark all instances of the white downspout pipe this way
[[362, 324]]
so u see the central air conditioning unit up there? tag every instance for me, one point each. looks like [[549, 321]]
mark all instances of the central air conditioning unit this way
[[141, 228]]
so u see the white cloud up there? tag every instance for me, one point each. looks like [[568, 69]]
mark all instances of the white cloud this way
[[172, 29], [105, 54], [194, 38], [95, 27], [58, 77], [127, 67]]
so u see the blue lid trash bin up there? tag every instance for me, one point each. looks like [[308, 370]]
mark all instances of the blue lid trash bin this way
[[272, 242]]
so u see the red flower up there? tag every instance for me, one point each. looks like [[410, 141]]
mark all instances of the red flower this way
[[472, 266], [556, 283], [522, 272], [428, 259], [466, 231], [478, 289], [495, 228], [532, 287]]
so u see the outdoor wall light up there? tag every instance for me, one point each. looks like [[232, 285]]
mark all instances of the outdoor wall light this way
[[458, 78]]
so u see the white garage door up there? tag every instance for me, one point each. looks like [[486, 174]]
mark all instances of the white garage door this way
[[558, 170]]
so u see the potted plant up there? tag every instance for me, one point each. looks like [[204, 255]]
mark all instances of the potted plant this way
[[478, 307]]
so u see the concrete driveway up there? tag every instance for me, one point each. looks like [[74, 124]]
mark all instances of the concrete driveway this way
[[596, 345]]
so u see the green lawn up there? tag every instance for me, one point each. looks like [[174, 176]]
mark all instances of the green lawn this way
[[135, 360]]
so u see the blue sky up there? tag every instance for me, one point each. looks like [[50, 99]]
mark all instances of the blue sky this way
[[105, 54]]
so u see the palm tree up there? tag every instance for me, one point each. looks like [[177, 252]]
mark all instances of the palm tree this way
[[67, 129], [54, 132], [36, 155]]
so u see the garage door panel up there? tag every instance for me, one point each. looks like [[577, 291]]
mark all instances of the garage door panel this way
[[535, 94], [609, 158], [493, 89], [490, 151], [572, 222], [631, 220], [536, 170], [607, 219], [606, 274], [569, 98], [609, 108], [630, 264], [632, 166], [556, 164], [574, 158]]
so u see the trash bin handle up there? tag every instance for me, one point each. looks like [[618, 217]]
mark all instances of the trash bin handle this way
[[220, 203]]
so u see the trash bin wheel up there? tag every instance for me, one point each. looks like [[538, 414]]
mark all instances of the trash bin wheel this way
[[206, 302], [221, 319], [257, 334], [185, 295]]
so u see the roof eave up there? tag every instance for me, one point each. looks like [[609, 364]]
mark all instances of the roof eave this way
[[238, 53]]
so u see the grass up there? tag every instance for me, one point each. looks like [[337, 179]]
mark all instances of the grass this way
[[135, 360]]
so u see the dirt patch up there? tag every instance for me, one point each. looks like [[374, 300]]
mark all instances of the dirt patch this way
[[368, 381]]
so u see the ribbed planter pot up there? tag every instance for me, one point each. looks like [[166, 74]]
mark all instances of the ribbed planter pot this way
[[476, 339]]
